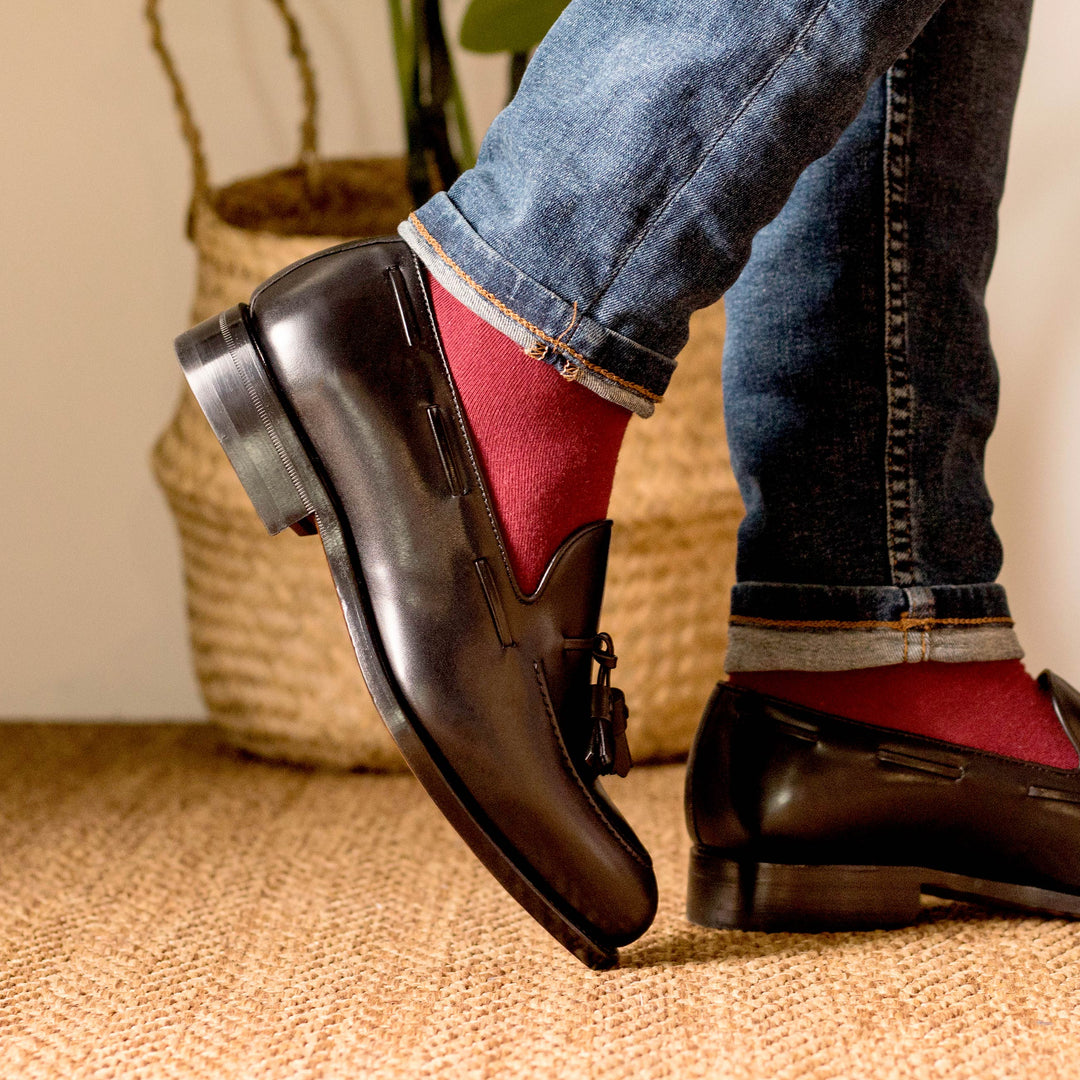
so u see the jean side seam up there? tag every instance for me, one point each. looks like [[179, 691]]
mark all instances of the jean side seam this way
[[744, 105], [903, 623], [557, 343], [898, 389]]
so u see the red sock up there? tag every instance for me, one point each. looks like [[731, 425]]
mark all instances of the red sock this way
[[547, 445], [993, 705]]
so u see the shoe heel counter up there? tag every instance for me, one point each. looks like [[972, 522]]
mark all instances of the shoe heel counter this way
[[715, 813], [225, 371]]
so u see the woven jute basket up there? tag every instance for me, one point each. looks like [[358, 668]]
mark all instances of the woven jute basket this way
[[271, 650]]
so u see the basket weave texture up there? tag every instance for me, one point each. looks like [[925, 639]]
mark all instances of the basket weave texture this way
[[271, 649]]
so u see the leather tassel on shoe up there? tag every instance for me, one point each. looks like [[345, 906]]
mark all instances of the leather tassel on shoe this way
[[609, 751]]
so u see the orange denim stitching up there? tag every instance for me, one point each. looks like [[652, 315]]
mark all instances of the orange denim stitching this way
[[903, 623], [533, 329]]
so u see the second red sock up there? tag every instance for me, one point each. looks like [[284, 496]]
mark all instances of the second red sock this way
[[993, 705]]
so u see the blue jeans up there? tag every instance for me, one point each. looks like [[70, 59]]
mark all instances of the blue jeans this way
[[834, 167]]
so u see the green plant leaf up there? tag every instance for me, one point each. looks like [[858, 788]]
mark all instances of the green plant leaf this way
[[402, 31], [514, 26]]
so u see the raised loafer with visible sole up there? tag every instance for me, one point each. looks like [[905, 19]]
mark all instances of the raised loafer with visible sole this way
[[333, 400], [802, 820]]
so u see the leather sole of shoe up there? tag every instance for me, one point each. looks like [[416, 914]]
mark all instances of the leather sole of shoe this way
[[224, 368], [727, 893]]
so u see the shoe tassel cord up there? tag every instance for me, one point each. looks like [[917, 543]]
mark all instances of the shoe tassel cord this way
[[609, 751]]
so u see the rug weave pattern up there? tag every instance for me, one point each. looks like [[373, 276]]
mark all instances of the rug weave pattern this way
[[172, 910]]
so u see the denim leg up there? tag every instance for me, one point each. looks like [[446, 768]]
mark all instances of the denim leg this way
[[859, 383], [649, 142]]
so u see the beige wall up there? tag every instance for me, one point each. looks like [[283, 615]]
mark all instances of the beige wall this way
[[1034, 456], [96, 278]]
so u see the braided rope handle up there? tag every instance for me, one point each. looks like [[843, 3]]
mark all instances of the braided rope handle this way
[[309, 133]]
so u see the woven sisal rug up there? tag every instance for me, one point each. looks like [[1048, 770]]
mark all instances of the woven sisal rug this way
[[172, 910]]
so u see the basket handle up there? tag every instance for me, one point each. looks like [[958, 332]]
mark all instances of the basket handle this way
[[309, 133]]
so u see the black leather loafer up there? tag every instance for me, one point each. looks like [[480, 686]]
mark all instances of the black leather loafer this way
[[806, 821], [333, 400]]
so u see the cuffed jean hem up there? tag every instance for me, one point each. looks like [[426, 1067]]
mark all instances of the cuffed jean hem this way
[[778, 627], [545, 325]]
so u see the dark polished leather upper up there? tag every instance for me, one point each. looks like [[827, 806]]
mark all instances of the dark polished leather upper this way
[[499, 681], [774, 782]]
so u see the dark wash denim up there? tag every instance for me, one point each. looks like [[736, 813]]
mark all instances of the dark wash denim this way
[[651, 142]]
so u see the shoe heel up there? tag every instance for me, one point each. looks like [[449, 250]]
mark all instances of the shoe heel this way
[[746, 895], [233, 388]]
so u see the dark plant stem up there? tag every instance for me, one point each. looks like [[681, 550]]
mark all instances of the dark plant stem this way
[[518, 62], [431, 99]]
